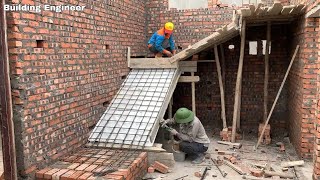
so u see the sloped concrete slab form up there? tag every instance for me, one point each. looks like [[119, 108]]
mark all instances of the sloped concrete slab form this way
[[132, 116]]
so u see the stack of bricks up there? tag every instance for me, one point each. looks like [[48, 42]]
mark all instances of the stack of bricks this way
[[266, 139], [96, 163], [226, 134]]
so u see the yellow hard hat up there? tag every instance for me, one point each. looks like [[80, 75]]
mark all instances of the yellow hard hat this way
[[169, 27]]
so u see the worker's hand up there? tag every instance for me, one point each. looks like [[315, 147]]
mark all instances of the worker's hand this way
[[149, 45], [173, 131], [168, 53], [174, 52]]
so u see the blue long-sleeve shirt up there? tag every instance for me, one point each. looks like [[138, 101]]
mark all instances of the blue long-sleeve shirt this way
[[157, 39]]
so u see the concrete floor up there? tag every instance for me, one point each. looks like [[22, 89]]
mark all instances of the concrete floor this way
[[246, 155]]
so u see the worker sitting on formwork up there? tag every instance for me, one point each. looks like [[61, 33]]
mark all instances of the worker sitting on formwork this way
[[194, 140], [162, 41]]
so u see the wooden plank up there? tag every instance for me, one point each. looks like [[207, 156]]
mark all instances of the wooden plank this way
[[277, 97], [236, 145], [188, 66], [151, 63], [297, 9], [292, 163], [7, 126], [170, 108], [263, 11], [222, 98], [234, 167], [286, 9], [314, 12], [223, 66], [239, 77], [189, 79], [245, 12], [239, 106], [193, 91], [128, 56], [215, 38], [266, 74], [258, 9], [206, 61], [281, 174], [252, 8], [275, 9]]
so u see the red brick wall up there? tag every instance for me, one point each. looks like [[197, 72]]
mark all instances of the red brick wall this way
[[316, 155], [59, 90], [303, 78]]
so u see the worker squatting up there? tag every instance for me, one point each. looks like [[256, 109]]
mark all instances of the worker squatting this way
[[45, 7]]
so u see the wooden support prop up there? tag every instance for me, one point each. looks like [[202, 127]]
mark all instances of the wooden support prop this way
[[170, 108], [223, 107], [193, 89], [234, 167], [239, 77], [236, 145], [7, 126], [189, 79], [128, 56], [223, 66], [277, 97], [297, 9], [281, 174], [266, 73], [292, 163], [286, 9], [239, 106]]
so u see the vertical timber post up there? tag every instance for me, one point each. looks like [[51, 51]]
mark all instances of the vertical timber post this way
[[236, 107], [6, 123], [223, 110], [266, 74]]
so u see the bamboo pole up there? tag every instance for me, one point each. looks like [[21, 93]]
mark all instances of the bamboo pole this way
[[277, 97], [266, 74], [239, 77], [223, 108], [193, 89]]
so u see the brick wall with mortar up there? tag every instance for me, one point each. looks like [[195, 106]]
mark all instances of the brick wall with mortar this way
[[303, 92], [60, 86], [208, 93], [316, 154]]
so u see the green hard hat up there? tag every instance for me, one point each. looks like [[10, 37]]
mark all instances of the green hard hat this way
[[183, 115]]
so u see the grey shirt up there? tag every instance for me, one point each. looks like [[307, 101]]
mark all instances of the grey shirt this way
[[193, 132]]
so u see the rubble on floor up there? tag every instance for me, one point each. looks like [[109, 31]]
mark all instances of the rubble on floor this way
[[271, 161]]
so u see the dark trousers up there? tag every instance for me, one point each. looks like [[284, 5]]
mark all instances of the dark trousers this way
[[192, 148]]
